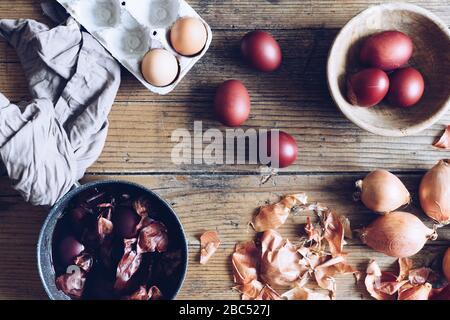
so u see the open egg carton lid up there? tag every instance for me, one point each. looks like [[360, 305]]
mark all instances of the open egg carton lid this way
[[129, 29]]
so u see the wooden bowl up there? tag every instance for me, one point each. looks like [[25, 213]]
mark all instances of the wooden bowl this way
[[431, 38]]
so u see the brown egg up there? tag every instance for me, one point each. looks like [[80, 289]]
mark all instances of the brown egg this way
[[188, 36], [159, 67]]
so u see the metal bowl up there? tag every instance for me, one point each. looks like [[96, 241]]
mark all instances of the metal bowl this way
[[45, 243]]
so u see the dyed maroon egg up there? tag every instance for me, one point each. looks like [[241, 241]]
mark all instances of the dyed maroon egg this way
[[78, 216], [407, 87], [68, 249], [232, 103], [261, 51], [386, 50], [367, 87], [125, 221], [282, 152]]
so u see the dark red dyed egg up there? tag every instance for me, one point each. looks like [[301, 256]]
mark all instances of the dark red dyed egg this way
[[282, 152], [407, 87], [232, 103], [367, 87], [125, 221], [386, 50], [261, 51], [69, 248], [78, 217]]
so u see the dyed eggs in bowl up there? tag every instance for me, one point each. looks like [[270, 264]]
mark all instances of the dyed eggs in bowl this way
[[430, 56]]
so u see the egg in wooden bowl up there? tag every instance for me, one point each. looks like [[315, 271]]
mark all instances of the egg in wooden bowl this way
[[430, 56]]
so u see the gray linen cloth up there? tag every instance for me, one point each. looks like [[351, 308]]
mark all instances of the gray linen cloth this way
[[46, 145]]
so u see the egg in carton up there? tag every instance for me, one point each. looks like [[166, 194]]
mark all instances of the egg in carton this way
[[158, 41]]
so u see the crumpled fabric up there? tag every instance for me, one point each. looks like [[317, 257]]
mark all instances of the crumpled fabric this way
[[46, 145]]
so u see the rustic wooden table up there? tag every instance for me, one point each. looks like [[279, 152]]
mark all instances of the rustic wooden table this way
[[333, 152]]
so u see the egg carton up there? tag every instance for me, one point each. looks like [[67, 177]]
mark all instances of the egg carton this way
[[128, 29]]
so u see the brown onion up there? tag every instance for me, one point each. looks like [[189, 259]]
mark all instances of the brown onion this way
[[382, 192], [434, 192], [397, 234], [446, 264]]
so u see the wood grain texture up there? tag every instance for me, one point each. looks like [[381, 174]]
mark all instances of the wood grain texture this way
[[225, 203], [295, 99], [249, 14]]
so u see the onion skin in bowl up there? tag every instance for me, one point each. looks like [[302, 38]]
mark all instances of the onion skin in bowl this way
[[434, 192], [397, 234], [382, 192]]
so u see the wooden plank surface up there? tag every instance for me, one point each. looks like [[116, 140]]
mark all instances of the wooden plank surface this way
[[294, 99], [333, 152], [203, 202], [268, 14]]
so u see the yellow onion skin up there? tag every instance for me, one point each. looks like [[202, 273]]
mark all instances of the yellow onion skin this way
[[421, 292], [434, 192], [383, 192], [446, 264], [397, 234]]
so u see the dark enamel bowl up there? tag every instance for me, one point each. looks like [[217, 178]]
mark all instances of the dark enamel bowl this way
[[45, 243]]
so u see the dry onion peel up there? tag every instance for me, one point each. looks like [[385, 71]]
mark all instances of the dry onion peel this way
[[72, 283], [382, 192], [333, 232], [420, 276], [268, 293], [411, 292], [274, 215], [249, 291], [397, 234], [300, 293], [381, 285], [405, 266], [348, 233], [209, 243], [311, 231], [153, 238], [410, 284], [143, 294], [279, 260], [128, 265], [444, 141], [245, 262], [434, 192], [255, 290], [414, 276], [325, 273]]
